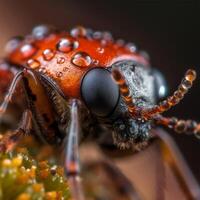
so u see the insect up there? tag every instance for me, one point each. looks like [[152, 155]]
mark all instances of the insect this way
[[82, 83]]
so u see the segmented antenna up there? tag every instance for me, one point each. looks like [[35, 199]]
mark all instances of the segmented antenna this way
[[124, 90], [179, 126], [171, 101]]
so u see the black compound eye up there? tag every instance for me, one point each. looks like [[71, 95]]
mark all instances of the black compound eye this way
[[99, 92], [161, 88]]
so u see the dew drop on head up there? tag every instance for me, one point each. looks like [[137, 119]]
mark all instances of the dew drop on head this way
[[60, 60], [81, 59], [131, 47], [59, 74], [97, 35], [65, 69], [95, 62], [120, 42], [41, 31], [107, 36], [13, 44], [145, 55], [28, 50], [78, 31], [48, 54], [66, 45], [33, 64], [100, 50]]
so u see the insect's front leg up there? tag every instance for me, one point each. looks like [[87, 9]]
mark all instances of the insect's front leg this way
[[7, 72], [9, 140], [72, 162], [37, 103], [16, 78]]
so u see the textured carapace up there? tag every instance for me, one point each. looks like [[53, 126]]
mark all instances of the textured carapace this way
[[65, 57]]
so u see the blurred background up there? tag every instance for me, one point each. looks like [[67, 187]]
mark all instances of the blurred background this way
[[169, 32]]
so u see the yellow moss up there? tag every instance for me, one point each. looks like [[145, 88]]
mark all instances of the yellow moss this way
[[60, 171], [17, 161], [24, 196], [29, 179], [51, 195], [6, 163], [38, 187], [23, 178], [44, 173], [31, 172], [43, 164]]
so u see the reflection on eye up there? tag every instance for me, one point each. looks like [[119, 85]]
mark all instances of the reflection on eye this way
[[161, 88], [162, 91]]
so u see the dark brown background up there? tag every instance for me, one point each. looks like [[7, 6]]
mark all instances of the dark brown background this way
[[169, 32]]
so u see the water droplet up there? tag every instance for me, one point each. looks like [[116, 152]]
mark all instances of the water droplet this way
[[97, 35], [42, 70], [100, 50], [89, 33], [66, 45], [107, 36], [28, 50], [120, 42], [78, 32], [4, 65], [48, 54], [95, 62], [145, 55], [76, 44], [104, 43], [59, 74], [131, 47], [41, 31], [65, 69], [33, 64], [13, 43], [81, 59], [60, 60]]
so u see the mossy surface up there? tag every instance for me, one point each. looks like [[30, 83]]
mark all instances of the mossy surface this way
[[22, 177]]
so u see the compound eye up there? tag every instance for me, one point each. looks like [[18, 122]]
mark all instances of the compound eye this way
[[99, 92], [161, 88]]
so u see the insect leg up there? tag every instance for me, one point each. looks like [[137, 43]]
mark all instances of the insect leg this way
[[40, 101], [9, 140], [11, 91], [173, 160], [72, 165], [7, 72], [121, 188], [17, 78]]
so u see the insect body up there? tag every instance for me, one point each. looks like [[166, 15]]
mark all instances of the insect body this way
[[89, 74]]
